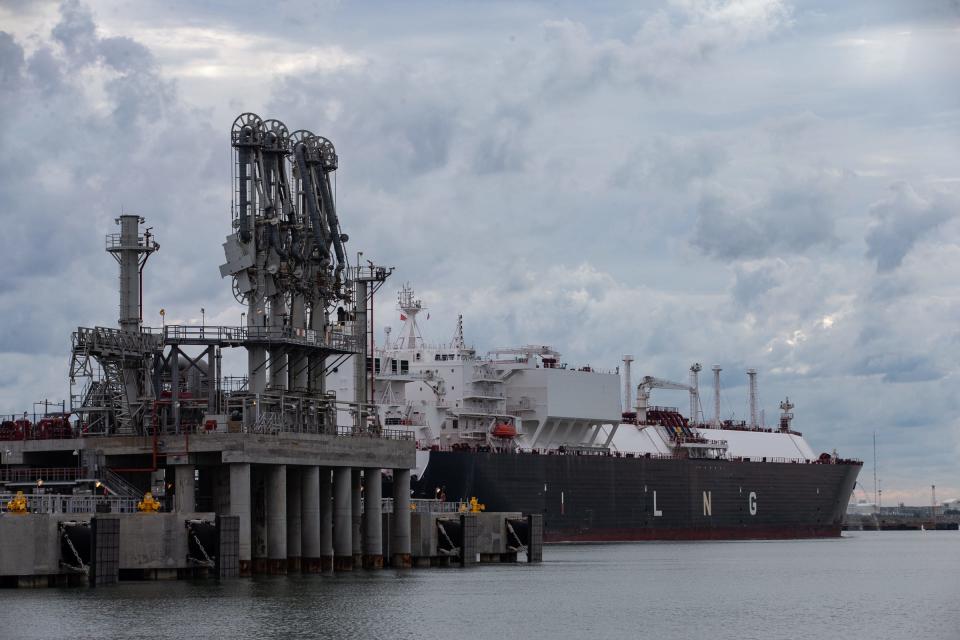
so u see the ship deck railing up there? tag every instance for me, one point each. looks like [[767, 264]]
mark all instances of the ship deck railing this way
[[648, 455]]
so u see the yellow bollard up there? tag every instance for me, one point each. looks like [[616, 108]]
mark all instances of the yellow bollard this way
[[149, 504], [18, 504]]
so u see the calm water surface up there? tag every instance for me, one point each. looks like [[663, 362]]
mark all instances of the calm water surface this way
[[868, 585]]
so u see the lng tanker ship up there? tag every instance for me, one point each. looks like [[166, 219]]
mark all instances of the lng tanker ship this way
[[522, 431]]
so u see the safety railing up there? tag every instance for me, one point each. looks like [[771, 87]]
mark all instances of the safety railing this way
[[388, 434], [209, 334], [69, 504], [423, 505], [100, 339], [52, 474]]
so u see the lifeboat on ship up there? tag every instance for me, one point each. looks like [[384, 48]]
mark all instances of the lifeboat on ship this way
[[504, 430]]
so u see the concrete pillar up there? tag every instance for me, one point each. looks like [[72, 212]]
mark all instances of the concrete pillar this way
[[400, 545], [293, 519], [326, 519], [258, 518], [276, 518], [185, 489], [372, 519], [310, 518], [356, 512], [240, 506], [342, 520], [221, 488]]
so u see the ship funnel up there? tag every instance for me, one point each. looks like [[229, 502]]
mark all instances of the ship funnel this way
[[627, 387]]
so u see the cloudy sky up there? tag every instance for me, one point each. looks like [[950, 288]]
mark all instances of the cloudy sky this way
[[754, 183]]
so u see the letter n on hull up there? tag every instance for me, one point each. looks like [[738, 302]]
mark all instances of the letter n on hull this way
[[708, 503]]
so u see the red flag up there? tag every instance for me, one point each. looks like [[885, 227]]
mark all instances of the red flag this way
[[403, 317]]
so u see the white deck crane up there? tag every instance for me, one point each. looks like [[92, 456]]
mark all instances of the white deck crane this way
[[649, 383]]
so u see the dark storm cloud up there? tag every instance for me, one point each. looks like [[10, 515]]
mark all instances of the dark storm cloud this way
[[74, 159], [76, 32], [899, 222], [672, 163], [11, 62], [751, 284], [788, 220], [899, 367]]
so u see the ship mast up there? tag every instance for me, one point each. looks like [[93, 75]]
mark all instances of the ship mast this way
[[409, 307]]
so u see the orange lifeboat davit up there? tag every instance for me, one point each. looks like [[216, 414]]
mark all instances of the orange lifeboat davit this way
[[504, 430]]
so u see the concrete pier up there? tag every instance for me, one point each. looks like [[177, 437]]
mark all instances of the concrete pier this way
[[342, 520], [276, 495], [326, 519], [310, 518], [184, 488], [240, 507], [400, 544], [294, 528], [372, 519], [356, 513]]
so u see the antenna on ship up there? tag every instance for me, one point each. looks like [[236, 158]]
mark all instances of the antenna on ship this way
[[409, 307], [787, 408], [457, 342]]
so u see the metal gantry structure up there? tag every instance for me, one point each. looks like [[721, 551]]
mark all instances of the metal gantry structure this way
[[307, 308]]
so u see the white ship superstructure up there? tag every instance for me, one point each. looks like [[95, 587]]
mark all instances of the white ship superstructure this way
[[524, 398], [450, 396]]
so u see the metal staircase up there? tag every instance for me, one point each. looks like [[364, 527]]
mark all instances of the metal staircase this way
[[117, 485]]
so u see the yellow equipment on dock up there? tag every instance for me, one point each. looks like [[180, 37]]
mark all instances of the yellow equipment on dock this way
[[18, 504], [149, 504], [474, 506]]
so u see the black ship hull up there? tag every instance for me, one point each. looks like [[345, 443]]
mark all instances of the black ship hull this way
[[605, 498]]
